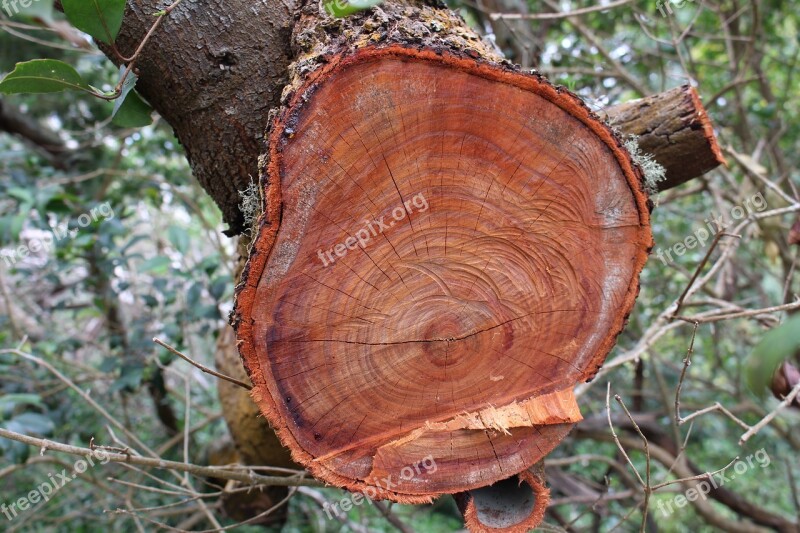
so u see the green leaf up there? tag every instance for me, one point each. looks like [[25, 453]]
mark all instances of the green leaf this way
[[193, 296], [343, 8], [133, 112], [179, 238], [101, 19], [778, 345], [43, 76], [219, 286], [130, 378], [24, 196], [127, 85], [158, 264], [31, 423], [9, 401]]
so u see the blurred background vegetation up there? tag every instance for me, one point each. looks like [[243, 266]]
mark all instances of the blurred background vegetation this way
[[161, 267]]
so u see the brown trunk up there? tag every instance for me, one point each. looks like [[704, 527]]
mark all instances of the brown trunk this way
[[453, 335], [514, 505], [214, 70], [252, 440]]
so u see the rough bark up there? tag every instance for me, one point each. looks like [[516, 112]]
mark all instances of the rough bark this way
[[674, 127], [422, 346], [252, 442], [213, 71]]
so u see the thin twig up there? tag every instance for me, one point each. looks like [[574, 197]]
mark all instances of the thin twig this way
[[686, 363], [771, 416], [202, 367], [616, 437], [741, 314], [704, 476], [699, 269], [200, 471], [647, 488]]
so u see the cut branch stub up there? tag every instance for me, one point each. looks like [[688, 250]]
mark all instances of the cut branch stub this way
[[448, 246], [513, 505], [674, 128]]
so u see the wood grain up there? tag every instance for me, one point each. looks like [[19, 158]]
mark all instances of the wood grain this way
[[459, 328]]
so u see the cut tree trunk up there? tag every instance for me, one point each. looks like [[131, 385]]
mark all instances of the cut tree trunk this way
[[252, 441], [528, 197], [447, 247], [514, 504]]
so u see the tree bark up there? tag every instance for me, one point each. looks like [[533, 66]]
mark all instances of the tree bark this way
[[675, 129], [514, 505], [252, 442], [214, 70]]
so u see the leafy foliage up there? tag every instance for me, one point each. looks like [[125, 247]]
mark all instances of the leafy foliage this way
[[43, 76], [776, 346], [102, 19]]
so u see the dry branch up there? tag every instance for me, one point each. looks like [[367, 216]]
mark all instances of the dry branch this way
[[250, 478], [514, 505]]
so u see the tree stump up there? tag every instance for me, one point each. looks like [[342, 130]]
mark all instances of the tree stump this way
[[447, 247], [502, 233]]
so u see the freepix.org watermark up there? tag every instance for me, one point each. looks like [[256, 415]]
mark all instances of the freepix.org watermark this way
[[13, 7], [56, 481], [716, 480], [426, 466], [715, 224], [665, 6], [372, 229], [47, 240]]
